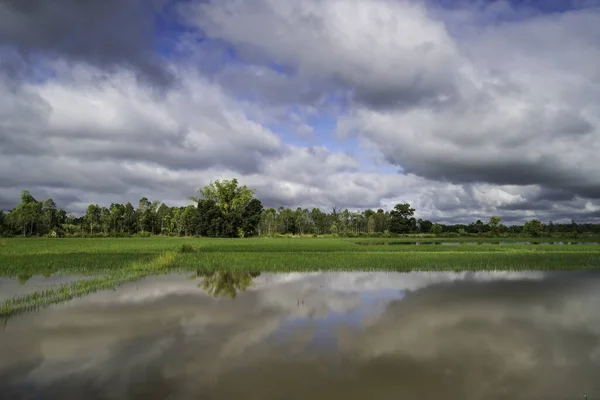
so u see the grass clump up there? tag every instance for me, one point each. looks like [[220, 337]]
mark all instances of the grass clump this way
[[186, 248]]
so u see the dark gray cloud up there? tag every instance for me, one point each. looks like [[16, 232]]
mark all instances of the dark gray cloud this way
[[108, 34]]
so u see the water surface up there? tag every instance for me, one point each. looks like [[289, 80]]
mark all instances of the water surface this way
[[26, 284], [314, 336]]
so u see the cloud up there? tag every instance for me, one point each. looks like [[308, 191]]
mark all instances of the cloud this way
[[109, 34], [486, 109], [338, 40], [500, 100]]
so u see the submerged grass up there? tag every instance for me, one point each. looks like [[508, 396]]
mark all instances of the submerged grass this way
[[63, 293]]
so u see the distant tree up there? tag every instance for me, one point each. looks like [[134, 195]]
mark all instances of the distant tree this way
[[117, 213], [162, 214], [3, 223], [533, 228], [227, 194], [424, 225], [251, 217], [190, 221], [437, 229], [92, 217], [400, 221], [494, 225], [129, 219], [49, 217], [333, 229]]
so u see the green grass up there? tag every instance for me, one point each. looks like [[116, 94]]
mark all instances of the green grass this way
[[101, 256]]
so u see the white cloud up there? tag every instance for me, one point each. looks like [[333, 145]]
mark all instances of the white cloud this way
[[484, 117]]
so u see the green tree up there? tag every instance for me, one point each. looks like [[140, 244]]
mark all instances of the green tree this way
[[3, 223], [533, 228], [129, 219], [117, 213], [143, 214], [400, 221], [424, 225], [190, 221], [251, 217], [494, 225], [92, 217], [162, 216], [227, 194], [437, 229], [49, 215], [105, 219], [334, 229]]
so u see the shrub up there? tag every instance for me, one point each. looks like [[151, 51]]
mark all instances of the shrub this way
[[186, 248]]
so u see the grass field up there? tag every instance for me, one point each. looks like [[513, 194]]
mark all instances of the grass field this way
[[112, 262], [95, 256]]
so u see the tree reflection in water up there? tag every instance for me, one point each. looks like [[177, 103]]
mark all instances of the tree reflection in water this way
[[225, 283]]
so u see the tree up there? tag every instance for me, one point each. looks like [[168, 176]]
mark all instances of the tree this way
[[190, 220], [424, 225], [162, 216], [251, 217], [143, 214], [230, 197], [437, 229], [49, 215], [494, 225], [334, 229], [533, 228], [129, 219], [117, 213], [105, 219], [92, 216], [400, 218], [3, 223]]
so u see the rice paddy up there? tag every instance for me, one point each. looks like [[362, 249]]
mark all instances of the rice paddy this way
[[100, 256], [112, 262]]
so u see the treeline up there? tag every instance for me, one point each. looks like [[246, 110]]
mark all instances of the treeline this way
[[226, 209]]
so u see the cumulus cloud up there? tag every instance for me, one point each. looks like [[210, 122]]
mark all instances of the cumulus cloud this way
[[486, 109]]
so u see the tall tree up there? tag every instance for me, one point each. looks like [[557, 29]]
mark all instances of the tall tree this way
[[227, 194], [400, 221], [92, 216], [494, 225], [129, 219]]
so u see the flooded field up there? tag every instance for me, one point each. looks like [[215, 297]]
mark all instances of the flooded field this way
[[418, 335]]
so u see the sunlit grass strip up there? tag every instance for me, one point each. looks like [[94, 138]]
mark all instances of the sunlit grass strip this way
[[63, 293], [389, 261]]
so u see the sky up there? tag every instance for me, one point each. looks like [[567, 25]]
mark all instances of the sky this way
[[464, 109]]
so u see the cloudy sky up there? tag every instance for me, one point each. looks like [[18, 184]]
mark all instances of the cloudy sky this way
[[517, 335], [465, 109]]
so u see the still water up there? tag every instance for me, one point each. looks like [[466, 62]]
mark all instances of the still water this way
[[314, 336]]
